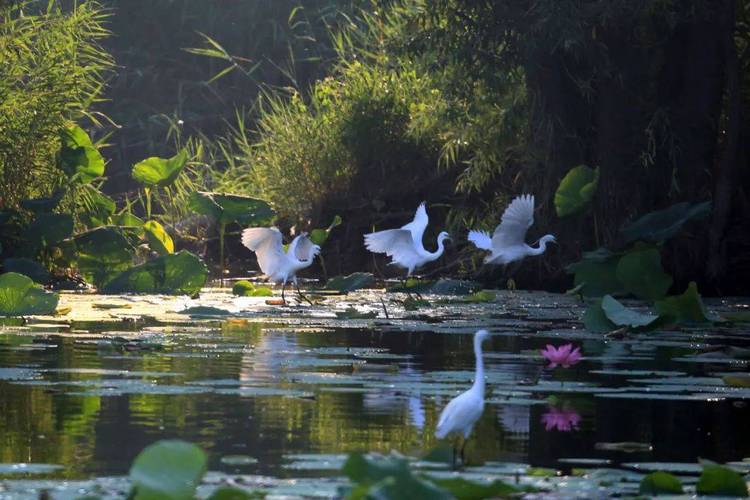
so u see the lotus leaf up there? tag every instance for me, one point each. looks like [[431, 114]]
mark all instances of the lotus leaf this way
[[596, 273], [576, 190], [641, 274], [319, 236], [78, 156], [661, 225], [158, 238], [48, 229], [660, 483], [177, 273], [20, 296], [685, 308], [350, 283], [27, 267], [102, 253], [155, 171], [168, 470], [720, 481]]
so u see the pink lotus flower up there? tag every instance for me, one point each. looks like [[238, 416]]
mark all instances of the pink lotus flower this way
[[564, 356], [564, 420]]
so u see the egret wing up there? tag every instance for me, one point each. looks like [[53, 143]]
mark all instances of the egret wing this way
[[418, 225], [266, 243], [459, 415], [395, 243], [305, 249], [516, 220], [481, 239]]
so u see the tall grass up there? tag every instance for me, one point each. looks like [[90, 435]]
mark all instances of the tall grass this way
[[52, 70]]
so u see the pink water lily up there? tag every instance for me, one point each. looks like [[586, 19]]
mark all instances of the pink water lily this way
[[564, 420], [564, 355]]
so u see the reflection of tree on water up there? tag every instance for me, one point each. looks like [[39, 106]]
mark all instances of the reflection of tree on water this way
[[400, 399], [264, 361]]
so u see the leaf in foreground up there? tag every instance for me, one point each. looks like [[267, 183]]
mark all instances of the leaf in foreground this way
[[158, 238], [641, 274], [27, 267], [20, 296], [719, 480], [623, 316], [685, 308], [660, 483], [168, 470]]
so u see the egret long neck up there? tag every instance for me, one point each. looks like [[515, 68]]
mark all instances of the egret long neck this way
[[440, 249], [479, 371], [540, 249]]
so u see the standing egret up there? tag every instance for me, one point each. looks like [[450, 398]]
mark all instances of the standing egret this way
[[277, 265], [404, 245], [463, 411], [507, 243]]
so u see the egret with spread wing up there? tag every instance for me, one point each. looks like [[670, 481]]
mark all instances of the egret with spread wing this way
[[507, 243], [404, 246], [463, 411], [277, 265]]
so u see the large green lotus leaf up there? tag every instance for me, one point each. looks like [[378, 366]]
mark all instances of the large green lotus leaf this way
[[389, 477], [169, 470], [155, 171], [319, 236], [685, 308], [576, 190], [595, 320], [596, 273], [641, 274], [20, 296], [622, 316], [158, 238], [175, 274], [27, 267], [717, 480], [350, 283], [48, 229], [102, 254], [661, 225], [226, 208], [78, 156], [660, 483]]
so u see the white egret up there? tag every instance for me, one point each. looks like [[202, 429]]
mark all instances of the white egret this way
[[507, 243], [463, 411], [277, 265], [404, 245]]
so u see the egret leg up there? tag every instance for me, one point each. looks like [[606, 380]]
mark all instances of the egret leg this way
[[511, 284], [283, 286], [463, 455], [301, 295]]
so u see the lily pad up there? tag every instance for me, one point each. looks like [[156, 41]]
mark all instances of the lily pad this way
[[622, 316], [158, 238], [641, 274], [155, 171], [685, 308], [20, 296], [389, 477], [168, 470], [576, 190], [178, 273], [464, 489], [205, 312], [244, 288], [737, 380], [661, 225], [595, 320], [350, 283], [443, 286], [720, 481], [27, 267], [660, 483]]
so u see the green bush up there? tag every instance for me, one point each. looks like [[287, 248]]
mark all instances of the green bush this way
[[364, 126], [53, 69]]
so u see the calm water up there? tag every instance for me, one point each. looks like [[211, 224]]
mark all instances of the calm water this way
[[271, 385]]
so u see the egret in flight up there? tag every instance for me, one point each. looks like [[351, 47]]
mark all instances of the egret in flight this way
[[463, 411], [277, 265], [404, 245], [507, 243]]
